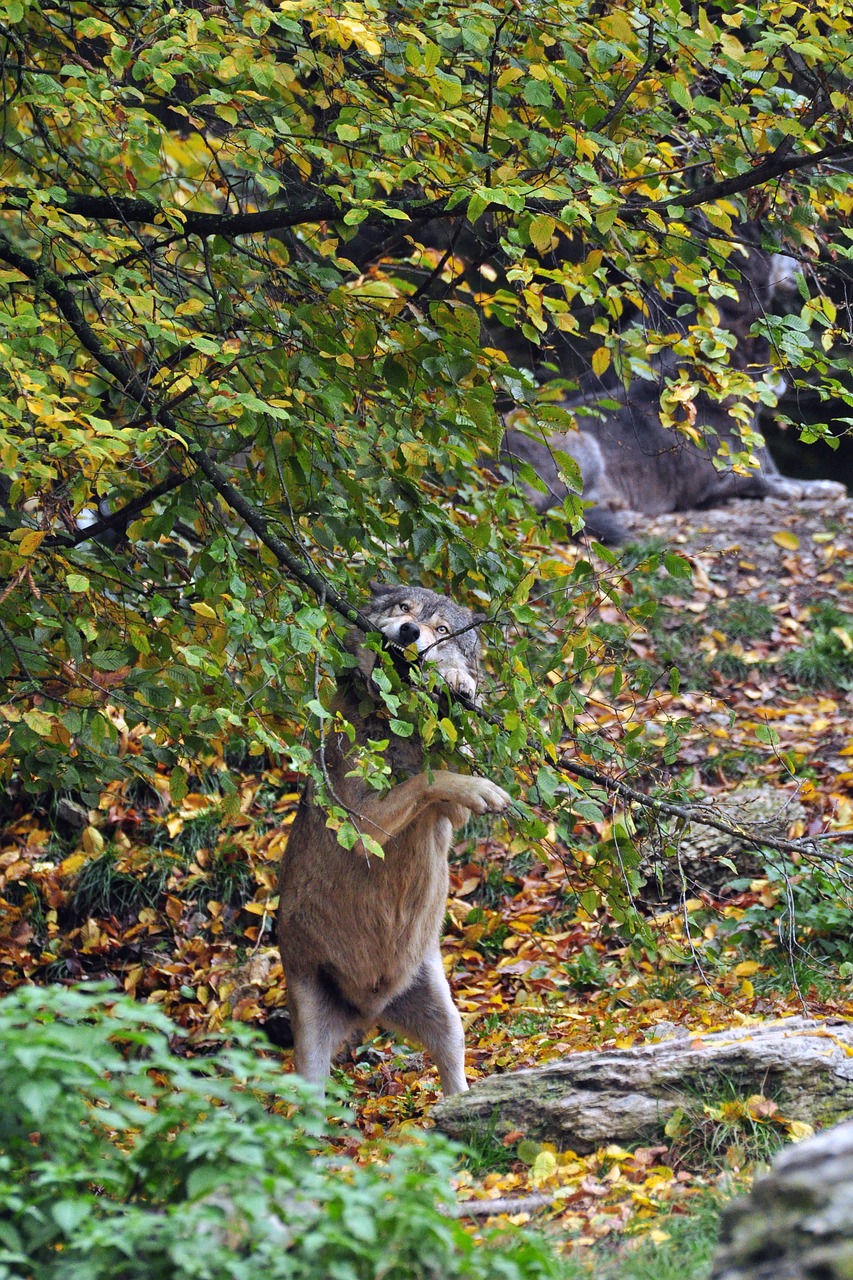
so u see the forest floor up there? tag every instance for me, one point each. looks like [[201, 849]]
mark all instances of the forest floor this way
[[176, 904]]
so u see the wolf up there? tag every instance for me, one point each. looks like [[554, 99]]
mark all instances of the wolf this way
[[359, 936], [600, 519], [629, 460]]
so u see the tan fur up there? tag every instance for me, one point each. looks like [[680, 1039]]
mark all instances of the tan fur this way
[[359, 935]]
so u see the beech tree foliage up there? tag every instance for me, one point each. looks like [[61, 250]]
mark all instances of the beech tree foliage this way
[[270, 272]]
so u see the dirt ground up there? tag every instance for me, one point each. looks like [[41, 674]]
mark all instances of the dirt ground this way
[[743, 548]]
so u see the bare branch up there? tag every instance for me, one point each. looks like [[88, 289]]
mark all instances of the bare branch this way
[[487, 1208], [704, 815]]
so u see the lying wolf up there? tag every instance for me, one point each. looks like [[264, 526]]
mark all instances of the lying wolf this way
[[359, 936], [629, 460]]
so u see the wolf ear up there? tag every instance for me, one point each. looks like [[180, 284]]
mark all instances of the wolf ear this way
[[380, 588], [478, 618]]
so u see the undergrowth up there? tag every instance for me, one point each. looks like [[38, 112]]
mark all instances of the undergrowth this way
[[124, 1158], [680, 1248]]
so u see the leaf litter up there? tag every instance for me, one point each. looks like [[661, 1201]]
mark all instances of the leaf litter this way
[[176, 902]]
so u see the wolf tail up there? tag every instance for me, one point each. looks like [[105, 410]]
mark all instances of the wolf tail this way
[[604, 525]]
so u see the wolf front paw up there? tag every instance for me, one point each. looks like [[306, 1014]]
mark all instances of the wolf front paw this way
[[460, 681], [484, 796]]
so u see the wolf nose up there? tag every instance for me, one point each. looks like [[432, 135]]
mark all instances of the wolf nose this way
[[408, 633]]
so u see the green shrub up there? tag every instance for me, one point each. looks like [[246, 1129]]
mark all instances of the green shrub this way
[[122, 1159], [810, 913], [825, 658]]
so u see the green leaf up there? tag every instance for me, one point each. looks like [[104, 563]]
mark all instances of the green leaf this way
[[68, 1214], [541, 231], [178, 784], [537, 93]]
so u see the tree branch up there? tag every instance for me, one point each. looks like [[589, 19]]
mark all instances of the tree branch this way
[[702, 814], [765, 171], [304, 572], [121, 517], [315, 208], [126, 377], [651, 58], [488, 1208], [322, 208], [299, 568]]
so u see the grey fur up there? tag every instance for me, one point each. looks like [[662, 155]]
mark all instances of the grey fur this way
[[599, 519], [630, 461], [359, 936]]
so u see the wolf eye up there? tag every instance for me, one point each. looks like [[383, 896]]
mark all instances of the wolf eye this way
[[405, 606], [442, 630]]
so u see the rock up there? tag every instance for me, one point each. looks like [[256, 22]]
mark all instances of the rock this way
[[797, 1223], [700, 866], [626, 1096], [70, 811]]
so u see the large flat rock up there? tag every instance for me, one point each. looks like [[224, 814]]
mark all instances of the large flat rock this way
[[626, 1096]]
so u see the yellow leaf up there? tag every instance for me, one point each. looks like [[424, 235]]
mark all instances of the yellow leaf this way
[[844, 637], [505, 78], [30, 541], [544, 1167], [784, 538], [39, 722], [600, 360], [746, 968], [261, 908], [203, 610], [190, 308], [658, 1236], [93, 842], [799, 1130], [747, 989], [72, 864]]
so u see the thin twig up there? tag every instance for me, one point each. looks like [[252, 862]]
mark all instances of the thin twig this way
[[632, 84]]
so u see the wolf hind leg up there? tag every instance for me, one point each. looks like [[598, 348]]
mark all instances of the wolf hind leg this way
[[425, 1012], [320, 1024]]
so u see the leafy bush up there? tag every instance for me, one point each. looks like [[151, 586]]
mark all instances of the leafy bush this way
[[121, 1159], [825, 659], [808, 908]]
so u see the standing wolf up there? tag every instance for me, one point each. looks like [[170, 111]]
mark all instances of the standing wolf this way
[[359, 936]]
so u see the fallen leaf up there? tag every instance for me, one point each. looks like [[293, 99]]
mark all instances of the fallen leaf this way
[[784, 538]]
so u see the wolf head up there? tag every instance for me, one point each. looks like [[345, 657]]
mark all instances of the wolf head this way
[[444, 633]]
